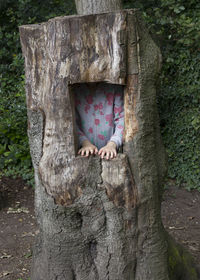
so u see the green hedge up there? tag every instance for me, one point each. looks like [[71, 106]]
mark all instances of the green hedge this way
[[175, 27], [14, 150]]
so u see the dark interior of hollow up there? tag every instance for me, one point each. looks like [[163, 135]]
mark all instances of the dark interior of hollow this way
[[92, 88]]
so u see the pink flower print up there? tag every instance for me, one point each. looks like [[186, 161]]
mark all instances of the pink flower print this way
[[87, 108], [117, 109], [90, 130], [109, 119], [101, 113], [97, 121], [120, 126], [101, 137], [100, 106], [89, 99], [110, 98], [96, 107]]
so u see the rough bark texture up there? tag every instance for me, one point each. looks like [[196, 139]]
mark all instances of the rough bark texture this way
[[98, 219], [61, 52], [95, 7]]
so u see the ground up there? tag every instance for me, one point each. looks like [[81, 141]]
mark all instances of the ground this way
[[180, 212]]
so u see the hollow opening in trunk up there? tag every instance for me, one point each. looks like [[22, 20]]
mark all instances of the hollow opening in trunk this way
[[98, 114]]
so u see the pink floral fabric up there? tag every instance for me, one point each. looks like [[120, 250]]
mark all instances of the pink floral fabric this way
[[99, 113]]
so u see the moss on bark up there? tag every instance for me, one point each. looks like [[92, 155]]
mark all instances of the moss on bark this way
[[180, 262]]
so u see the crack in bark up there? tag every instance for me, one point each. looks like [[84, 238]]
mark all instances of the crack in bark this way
[[73, 275], [93, 254], [107, 266]]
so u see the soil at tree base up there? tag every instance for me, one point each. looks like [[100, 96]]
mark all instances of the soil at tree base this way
[[180, 212]]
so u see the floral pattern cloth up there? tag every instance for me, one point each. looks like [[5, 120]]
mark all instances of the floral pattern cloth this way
[[99, 113]]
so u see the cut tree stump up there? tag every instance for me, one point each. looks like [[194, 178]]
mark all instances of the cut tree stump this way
[[98, 219]]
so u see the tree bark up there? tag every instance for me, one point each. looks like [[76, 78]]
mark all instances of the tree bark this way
[[98, 219], [97, 6]]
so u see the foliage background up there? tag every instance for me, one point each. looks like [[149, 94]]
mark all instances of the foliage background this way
[[175, 25]]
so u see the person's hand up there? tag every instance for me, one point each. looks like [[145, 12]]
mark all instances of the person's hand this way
[[109, 151], [87, 149]]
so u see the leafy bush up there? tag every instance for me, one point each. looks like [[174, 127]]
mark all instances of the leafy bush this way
[[176, 25], [15, 158], [180, 116]]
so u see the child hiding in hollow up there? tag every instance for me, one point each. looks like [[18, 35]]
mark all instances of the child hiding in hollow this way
[[99, 118]]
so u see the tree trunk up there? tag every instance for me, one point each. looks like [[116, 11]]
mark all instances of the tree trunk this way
[[98, 219], [97, 6]]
